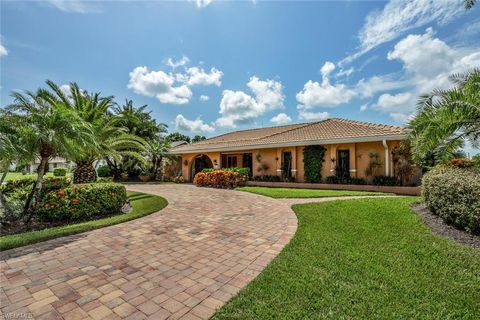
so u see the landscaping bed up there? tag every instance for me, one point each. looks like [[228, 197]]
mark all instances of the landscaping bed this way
[[363, 259], [305, 193], [142, 205]]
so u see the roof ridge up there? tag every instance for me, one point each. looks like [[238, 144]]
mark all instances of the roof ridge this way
[[300, 126], [366, 123]]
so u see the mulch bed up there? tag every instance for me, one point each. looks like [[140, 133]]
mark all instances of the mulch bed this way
[[438, 226]]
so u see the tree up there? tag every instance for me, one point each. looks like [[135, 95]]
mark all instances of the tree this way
[[138, 121], [446, 119], [469, 4], [112, 139], [198, 138], [156, 150], [48, 129], [177, 136]]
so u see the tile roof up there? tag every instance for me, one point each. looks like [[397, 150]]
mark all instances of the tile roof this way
[[326, 131]]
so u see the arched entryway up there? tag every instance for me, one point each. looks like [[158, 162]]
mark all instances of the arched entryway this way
[[199, 163]]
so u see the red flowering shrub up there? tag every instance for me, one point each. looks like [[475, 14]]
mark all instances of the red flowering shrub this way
[[219, 179], [82, 201], [461, 163]]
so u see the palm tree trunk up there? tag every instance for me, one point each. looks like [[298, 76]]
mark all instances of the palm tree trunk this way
[[3, 202], [84, 172], [34, 195], [4, 175]]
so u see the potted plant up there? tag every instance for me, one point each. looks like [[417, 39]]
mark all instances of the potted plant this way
[[145, 175]]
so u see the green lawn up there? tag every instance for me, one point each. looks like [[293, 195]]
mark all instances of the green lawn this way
[[19, 175], [363, 259], [143, 204], [305, 193]]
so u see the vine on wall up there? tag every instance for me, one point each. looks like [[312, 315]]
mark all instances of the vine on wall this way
[[313, 158]]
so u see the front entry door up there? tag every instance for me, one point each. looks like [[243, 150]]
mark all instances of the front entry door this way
[[248, 163], [343, 164]]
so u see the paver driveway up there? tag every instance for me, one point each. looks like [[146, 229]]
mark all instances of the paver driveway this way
[[182, 262]]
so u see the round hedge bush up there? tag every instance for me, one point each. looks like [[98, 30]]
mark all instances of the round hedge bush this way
[[454, 195], [82, 202], [104, 171]]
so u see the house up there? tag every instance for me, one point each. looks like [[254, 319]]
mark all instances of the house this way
[[279, 150]]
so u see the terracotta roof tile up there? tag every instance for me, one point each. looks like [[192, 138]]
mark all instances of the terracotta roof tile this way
[[326, 130]]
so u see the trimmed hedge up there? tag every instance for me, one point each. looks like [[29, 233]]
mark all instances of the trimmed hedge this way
[[48, 184], [346, 180], [82, 202], [220, 179], [454, 195], [240, 170], [60, 172], [385, 181]]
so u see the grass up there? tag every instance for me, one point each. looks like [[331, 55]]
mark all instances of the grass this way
[[142, 204], [363, 259], [19, 175], [305, 193]]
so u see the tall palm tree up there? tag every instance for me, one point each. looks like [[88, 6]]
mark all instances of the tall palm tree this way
[[112, 140], [469, 4], [447, 118], [49, 129], [156, 150]]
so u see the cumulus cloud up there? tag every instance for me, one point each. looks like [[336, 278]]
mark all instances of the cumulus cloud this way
[[197, 125], [204, 98], [325, 94], [367, 88], [3, 50], [363, 107], [400, 16], [203, 3], [304, 114], [195, 76], [238, 107], [177, 63], [158, 84], [268, 92], [281, 118], [392, 103]]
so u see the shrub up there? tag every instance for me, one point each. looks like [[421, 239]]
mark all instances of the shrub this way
[[454, 195], [313, 162], [241, 171], [104, 171], [345, 180], [49, 184], [178, 179], [104, 180], [60, 172], [82, 202], [385, 181], [219, 179], [461, 163], [267, 178]]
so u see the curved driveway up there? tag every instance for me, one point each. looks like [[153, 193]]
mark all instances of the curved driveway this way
[[182, 262]]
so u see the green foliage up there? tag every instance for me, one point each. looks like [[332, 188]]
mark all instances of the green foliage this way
[[104, 171], [82, 202], [60, 172], [198, 138], [239, 170], [345, 180], [142, 204], [385, 181], [48, 184], [454, 195], [220, 179], [313, 158], [281, 193], [446, 119], [177, 136], [104, 180], [363, 259], [476, 159]]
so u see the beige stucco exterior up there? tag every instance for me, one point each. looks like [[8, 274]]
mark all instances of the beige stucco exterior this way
[[359, 159]]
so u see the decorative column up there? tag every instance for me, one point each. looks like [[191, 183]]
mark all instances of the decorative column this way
[[278, 160], [387, 158], [333, 155], [294, 163]]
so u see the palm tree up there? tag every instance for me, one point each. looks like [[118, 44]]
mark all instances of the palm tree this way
[[156, 151], [48, 129], [469, 4], [112, 140], [447, 118]]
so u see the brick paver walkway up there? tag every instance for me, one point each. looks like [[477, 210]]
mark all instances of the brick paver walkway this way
[[182, 262]]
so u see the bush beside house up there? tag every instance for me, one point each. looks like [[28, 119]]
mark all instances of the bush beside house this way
[[453, 193], [222, 178]]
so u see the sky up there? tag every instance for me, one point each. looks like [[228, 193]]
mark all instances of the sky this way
[[208, 67]]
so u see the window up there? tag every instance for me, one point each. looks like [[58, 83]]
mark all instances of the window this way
[[229, 160]]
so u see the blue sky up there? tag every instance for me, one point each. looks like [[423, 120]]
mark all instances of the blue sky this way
[[207, 67]]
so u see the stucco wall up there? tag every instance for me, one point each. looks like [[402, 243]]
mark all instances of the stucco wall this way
[[272, 157]]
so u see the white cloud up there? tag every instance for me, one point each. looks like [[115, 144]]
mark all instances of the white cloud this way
[[326, 95], [395, 103], [363, 107], [400, 117], [304, 114], [204, 98], [197, 76], [345, 72], [158, 84], [268, 92], [177, 63], [3, 50], [197, 125], [400, 16], [237, 107], [203, 3], [75, 6], [281, 118], [367, 88]]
